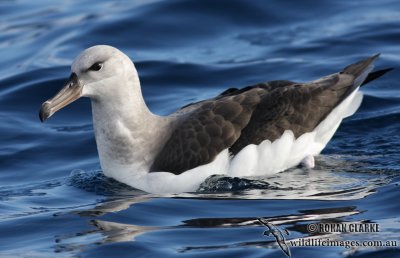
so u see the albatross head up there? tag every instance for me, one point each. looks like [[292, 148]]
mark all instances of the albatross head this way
[[94, 73]]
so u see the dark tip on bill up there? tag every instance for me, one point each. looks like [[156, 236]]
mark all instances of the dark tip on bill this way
[[44, 112]]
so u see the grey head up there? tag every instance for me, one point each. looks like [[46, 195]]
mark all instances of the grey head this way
[[95, 73]]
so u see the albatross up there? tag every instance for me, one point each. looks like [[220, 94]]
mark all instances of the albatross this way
[[252, 131]]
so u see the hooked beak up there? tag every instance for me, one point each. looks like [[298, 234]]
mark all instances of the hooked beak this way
[[71, 91]]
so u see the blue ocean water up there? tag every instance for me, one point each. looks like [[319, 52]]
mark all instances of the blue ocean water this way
[[54, 201]]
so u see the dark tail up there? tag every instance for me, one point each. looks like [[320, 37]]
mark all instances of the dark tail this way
[[375, 75]]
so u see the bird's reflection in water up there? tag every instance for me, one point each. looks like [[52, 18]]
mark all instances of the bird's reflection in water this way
[[113, 232], [105, 225]]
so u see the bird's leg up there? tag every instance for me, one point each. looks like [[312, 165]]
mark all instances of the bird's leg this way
[[308, 161]]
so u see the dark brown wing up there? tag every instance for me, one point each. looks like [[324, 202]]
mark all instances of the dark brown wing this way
[[205, 131], [238, 117], [301, 107], [266, 86]]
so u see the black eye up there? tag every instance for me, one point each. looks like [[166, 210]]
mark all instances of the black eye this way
[[96, 67]]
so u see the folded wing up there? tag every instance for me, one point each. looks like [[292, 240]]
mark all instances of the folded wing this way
[[239, 117]]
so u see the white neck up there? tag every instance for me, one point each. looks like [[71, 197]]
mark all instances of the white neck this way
[[125, 132]]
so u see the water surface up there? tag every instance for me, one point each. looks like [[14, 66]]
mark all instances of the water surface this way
[[54, 201]]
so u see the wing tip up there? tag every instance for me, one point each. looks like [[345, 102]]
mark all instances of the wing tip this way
[[376, 56], [361, 67]]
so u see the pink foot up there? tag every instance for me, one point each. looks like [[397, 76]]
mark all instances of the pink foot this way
[[308, 161]]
